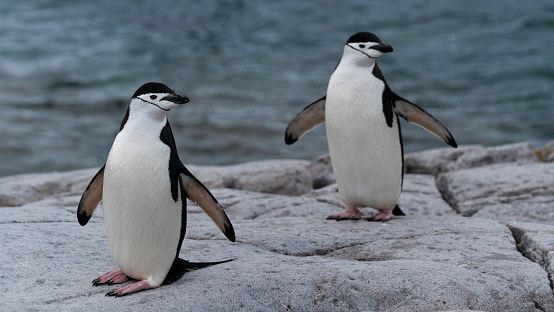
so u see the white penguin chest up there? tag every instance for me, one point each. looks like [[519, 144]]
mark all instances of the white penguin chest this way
[[143, 222], [366, 153]]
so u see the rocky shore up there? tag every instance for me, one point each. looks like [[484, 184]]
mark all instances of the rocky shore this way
[[478, 235]]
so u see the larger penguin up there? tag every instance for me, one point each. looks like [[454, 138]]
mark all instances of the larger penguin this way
[[144, 187], [363, 132]]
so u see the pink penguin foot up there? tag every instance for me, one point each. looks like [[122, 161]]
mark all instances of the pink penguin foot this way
[[346, 215], [112, 277], [129, 289], [382, 216]]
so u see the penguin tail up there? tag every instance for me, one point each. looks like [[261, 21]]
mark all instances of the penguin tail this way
[[397, 211], [192, 266], [180, 267]]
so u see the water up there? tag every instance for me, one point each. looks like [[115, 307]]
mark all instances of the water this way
[[68, 69]]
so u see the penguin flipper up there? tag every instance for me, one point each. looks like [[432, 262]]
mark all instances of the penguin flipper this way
[[199, 194], [416, 115], [310, 117], [91, 197]]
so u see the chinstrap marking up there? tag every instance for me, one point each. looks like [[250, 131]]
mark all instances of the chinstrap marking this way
[[361, 52], [165, 109]]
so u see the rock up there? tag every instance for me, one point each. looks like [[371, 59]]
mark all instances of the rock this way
[[444, 262], [322, 171], [20, 189], [287, 177], [432, 161], [423, 264], [546, 153], [210, 176], [420, 197], [465, 157], [287, 256], [536, 242], [247, 205], [505, 192]]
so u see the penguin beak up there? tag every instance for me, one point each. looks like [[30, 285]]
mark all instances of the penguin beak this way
[[383, 48], [176, 98]]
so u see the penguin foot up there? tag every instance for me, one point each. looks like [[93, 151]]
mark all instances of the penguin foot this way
[[346, 215], [382, 216], [129, 289], [112, 277]]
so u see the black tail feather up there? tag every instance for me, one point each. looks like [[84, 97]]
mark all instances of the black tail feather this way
[[397, 211], [180, 267]]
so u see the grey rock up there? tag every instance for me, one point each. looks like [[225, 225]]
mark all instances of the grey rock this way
[[420, 197], [247, 205], [322, 171], [432, 161], [287, 177], [287, 257], [470, 156], [210, 176], [21, 189], [297, 264], [417, 264], [536, 242], [546, 152], [506, 192]]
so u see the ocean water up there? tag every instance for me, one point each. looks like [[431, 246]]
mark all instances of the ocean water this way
[[68, 70]]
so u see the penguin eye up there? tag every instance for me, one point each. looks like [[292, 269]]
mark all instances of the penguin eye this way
[[153, 97], [362, 46]]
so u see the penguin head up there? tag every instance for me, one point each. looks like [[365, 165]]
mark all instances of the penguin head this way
[[158, 95], [366, 45]]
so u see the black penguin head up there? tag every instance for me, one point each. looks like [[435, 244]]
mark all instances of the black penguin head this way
[[368, 44], [159, 95]]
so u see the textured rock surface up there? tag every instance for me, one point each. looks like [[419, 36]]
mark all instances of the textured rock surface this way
[[291, 177], [546, 152], [471, 156], [506, 192], [20, 189], [536, 242], [289, 258]]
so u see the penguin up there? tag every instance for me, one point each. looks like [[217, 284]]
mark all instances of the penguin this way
[[360, 112], [144, 186]]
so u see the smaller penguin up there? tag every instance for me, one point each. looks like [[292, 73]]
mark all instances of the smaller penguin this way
[[361, 112], [144, 186]]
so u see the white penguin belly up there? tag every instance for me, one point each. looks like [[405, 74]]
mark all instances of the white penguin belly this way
[[142, 220], [366, 154]]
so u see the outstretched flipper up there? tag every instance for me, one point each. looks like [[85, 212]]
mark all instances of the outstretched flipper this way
[[91, 198], [310, 117], [416, 115], [199, 194]]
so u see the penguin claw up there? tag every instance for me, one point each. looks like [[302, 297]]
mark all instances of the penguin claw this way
[[345, 215], [110, 293], [129, 289], [372, 219], [347, 218], [114, 293], [382, 216], [112, 277]]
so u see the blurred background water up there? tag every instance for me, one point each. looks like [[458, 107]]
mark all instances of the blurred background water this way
[[68, 69]]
